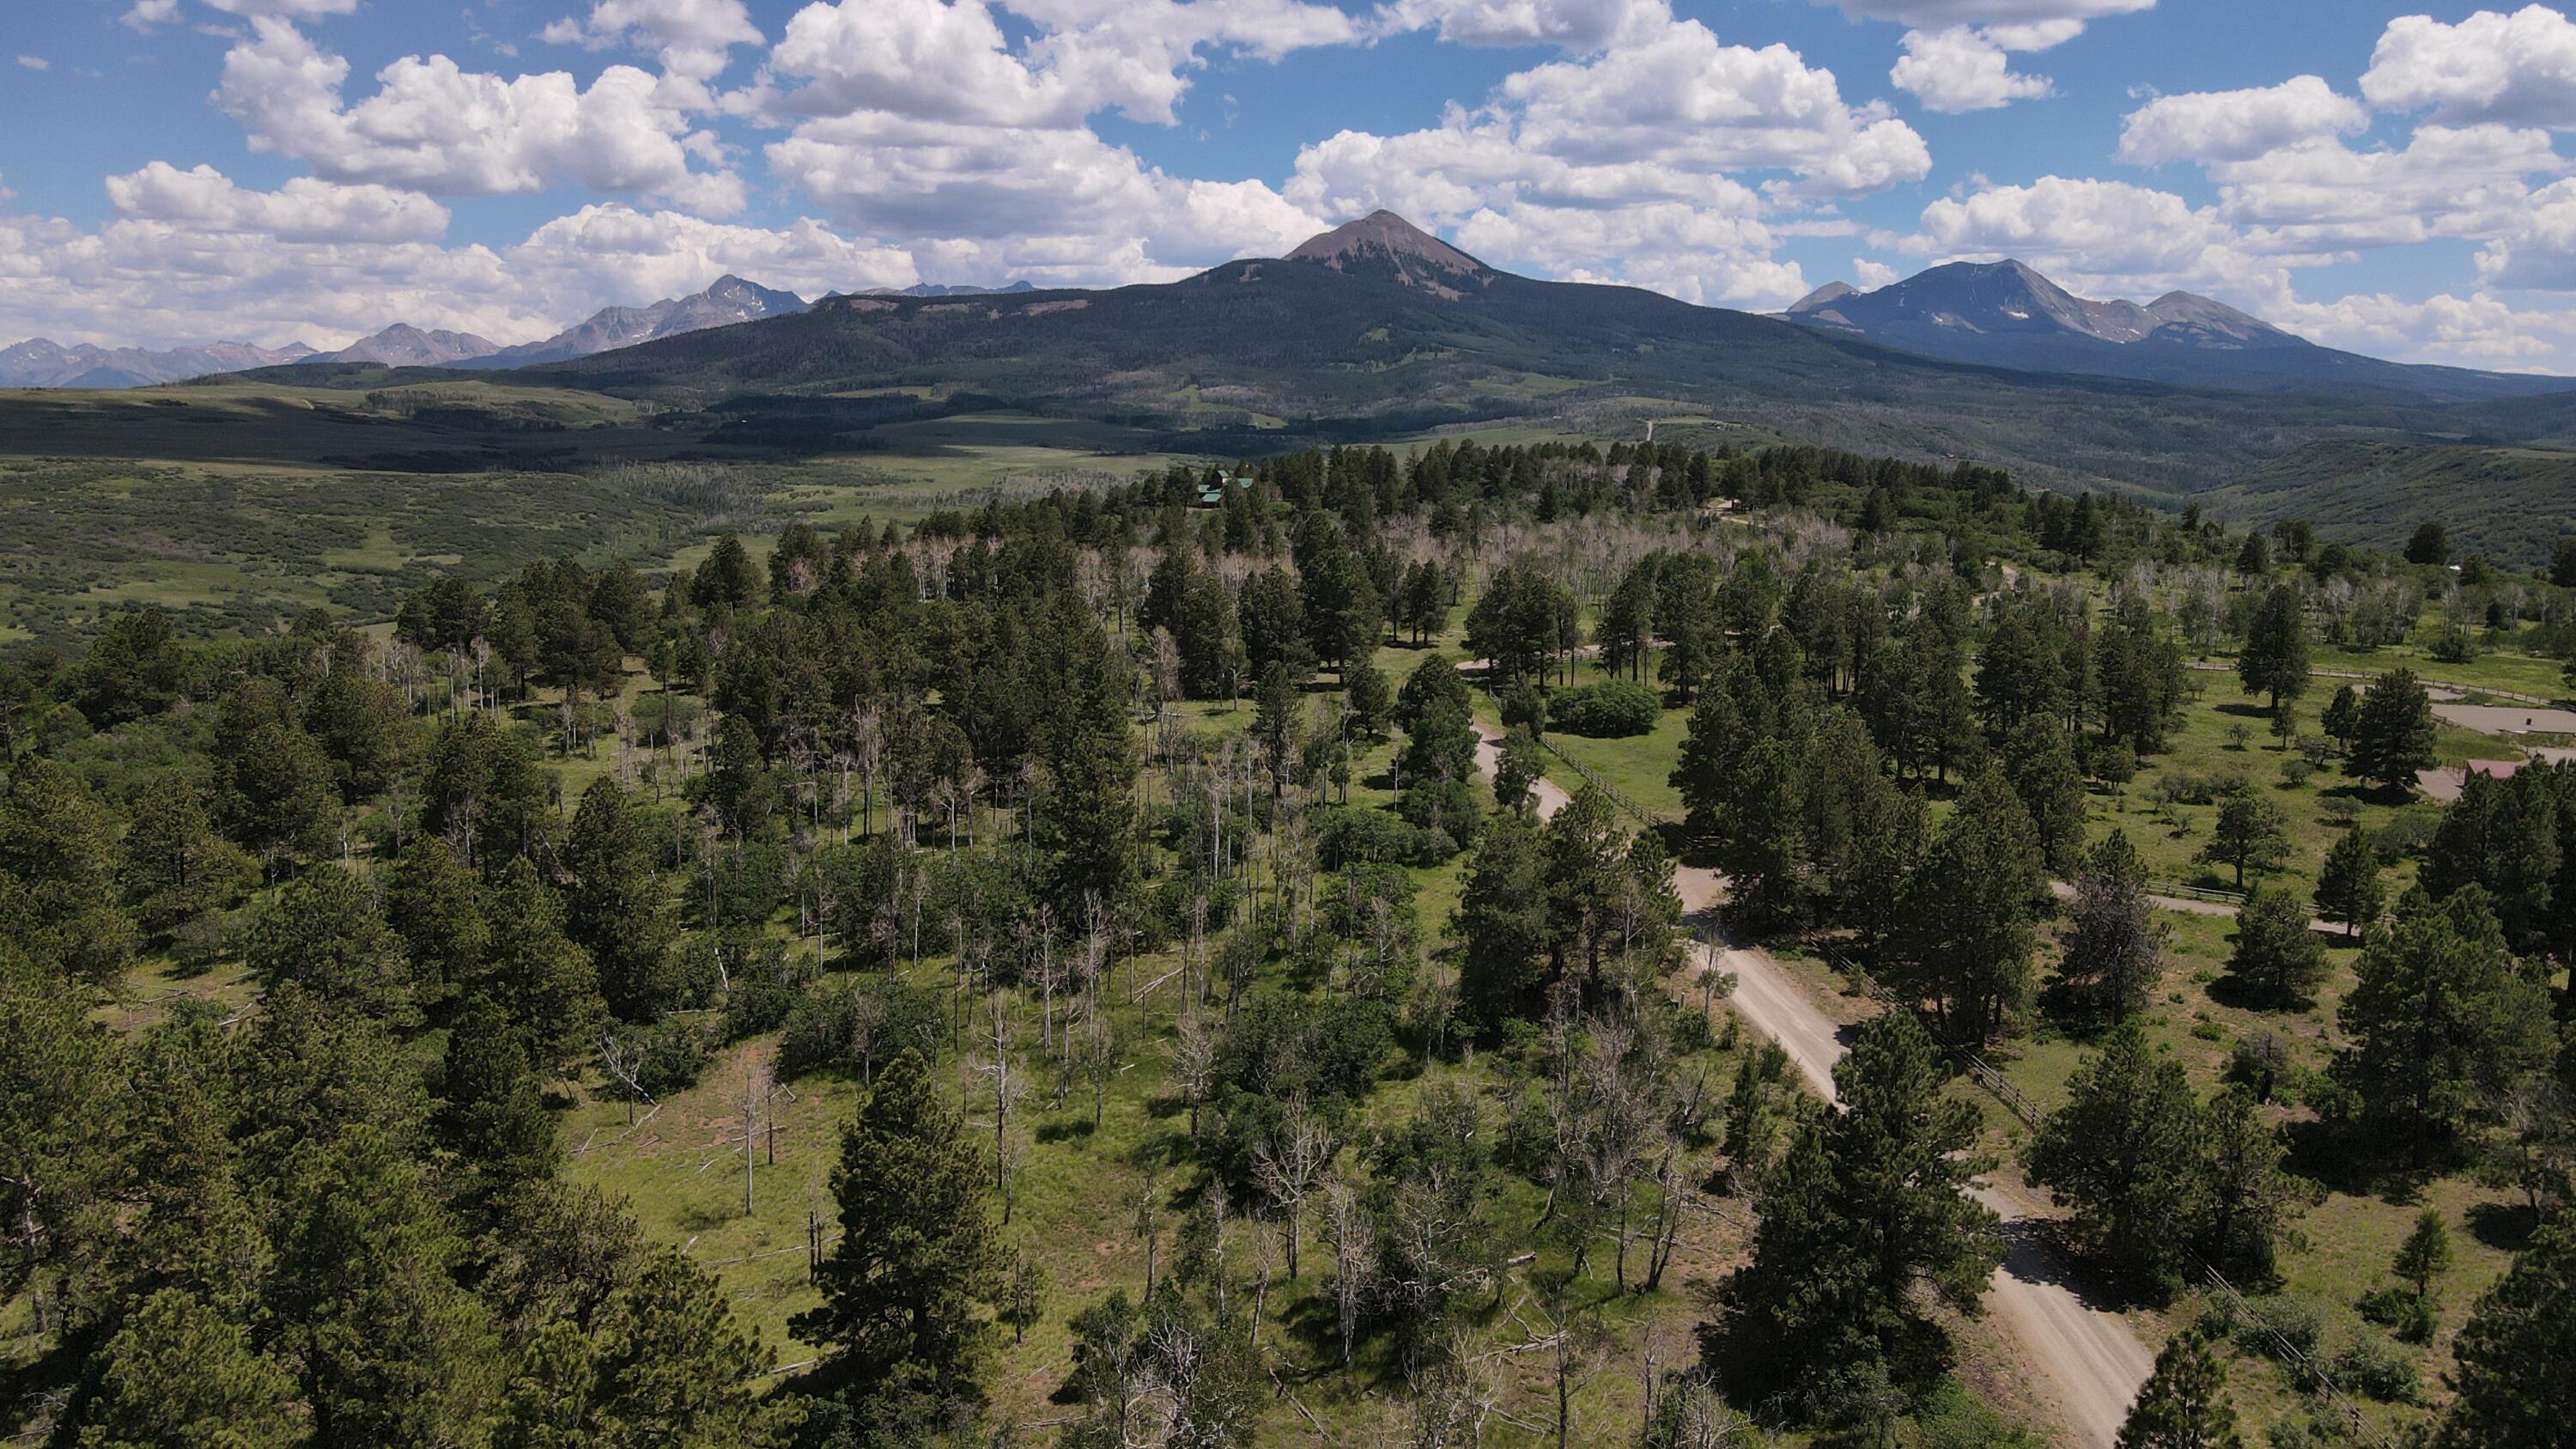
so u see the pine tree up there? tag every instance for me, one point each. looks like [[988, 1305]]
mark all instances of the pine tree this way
[[1519, 765], [59, 863], [2040, 763], [2439, 1018], [2184, 1404], [274, 784], [1866, 1212], [2247, 1197], [727, 578], [2278, 959], [1502, 923], [2115, 952], [2425, 1255], [2393, 737], [1968, 944], [2342, 717], [2348, 888], [177, 868], [2274, 660], [918, 1256], [537, 975], [392, 1350], [663, 1362], [2124, 1154], [435, 904], [2251, 833], [60, 1077], [324, 934], [1371, 700], [1082, 742], [2517, 1356], [180, 1375], [618, 907], [492, 1116], [1273, 621]]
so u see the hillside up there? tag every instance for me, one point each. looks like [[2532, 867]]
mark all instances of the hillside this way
[[2511, 504]]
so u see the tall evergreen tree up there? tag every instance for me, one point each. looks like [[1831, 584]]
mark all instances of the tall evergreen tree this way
[[918, 1257], [617, 905], [1866, 1214], [325, 935], [1502, 922], [2274, 660], [2393, 737], [2348, 887], [2517, 1356], [391, 1349], [2251, 833], [2115, 953], [2277, 959], [2439, 1019], [2184, 1404], [1973, 899], [2124, 1154], [180, 1375]]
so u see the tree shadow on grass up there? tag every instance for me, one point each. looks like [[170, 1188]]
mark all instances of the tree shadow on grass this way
[[2342, 1158], [2504, 1226], [1065, 1129]]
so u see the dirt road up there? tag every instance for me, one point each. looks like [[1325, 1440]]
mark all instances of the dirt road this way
[[2082, 1360]]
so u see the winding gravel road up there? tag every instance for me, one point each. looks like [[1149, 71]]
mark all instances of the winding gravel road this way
[[2082, 1360]]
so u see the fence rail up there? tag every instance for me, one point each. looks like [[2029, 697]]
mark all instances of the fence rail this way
[[1987, 1076], [1617, 796], [2218, 895]]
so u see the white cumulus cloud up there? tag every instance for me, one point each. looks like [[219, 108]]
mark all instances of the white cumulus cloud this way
[[1577, 25], [2238, 125], [1962, 69], [188, 261], [2470, 181], [284, 9], [303, 210], [692, 38], [1941, 14], [2518, 68], [436, 127]]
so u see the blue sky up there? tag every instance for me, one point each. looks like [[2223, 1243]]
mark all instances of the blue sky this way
[[2387, 178]]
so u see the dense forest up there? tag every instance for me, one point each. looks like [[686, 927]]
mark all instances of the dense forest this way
[[1196, 835]]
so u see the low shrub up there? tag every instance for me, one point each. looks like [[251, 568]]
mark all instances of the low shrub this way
[[1605, 711]]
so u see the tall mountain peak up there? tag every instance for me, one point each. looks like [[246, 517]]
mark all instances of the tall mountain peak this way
[[1384, 239], [1822, 298]]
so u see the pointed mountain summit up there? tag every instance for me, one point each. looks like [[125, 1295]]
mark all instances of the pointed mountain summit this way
[[2005, 314], [1383, 241], [1822, 298]]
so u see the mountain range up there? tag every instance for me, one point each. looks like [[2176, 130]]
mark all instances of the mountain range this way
[[41, 362], [730, 299], [1377, 330], [2003, 314], [950, 289]]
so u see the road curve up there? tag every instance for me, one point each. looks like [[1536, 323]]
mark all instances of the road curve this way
[[2083, 1360]]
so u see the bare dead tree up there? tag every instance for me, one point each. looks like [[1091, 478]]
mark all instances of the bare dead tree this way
[[1290, 1168], [1347, 1224]]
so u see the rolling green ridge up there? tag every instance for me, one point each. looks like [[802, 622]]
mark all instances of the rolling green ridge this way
[[2511, 504]]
